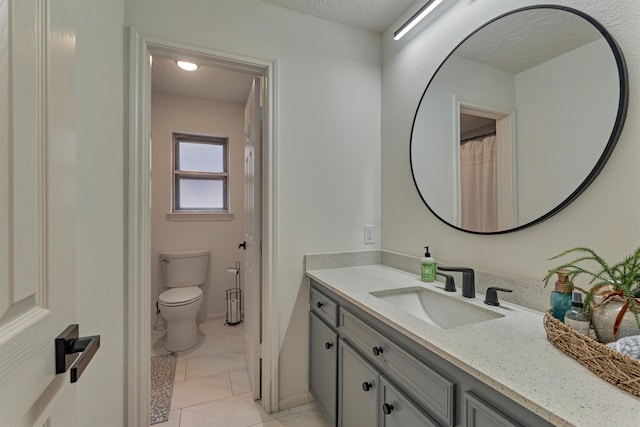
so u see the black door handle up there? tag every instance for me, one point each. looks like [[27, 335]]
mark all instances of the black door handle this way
[[243, 245], [68, 344]]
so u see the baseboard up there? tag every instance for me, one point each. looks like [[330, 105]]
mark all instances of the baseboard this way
[[158, 322], [297, 400], [220, 316], [216, 316]]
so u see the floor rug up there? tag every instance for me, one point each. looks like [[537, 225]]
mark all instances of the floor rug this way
[[163, 369]]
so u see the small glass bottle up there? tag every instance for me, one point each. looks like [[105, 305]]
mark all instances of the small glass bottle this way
[[561, 296], [575, 317]]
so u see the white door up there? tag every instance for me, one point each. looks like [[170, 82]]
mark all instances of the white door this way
[[252, 283], [37, 209]]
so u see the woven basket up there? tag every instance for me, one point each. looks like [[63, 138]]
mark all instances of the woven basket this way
[[610, 365]]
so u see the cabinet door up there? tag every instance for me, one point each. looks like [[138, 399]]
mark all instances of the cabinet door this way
[[358, 389], [481, 414], [396, 410], [323, 365]]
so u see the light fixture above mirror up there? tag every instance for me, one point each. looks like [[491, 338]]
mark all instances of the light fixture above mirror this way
[[416, 18]]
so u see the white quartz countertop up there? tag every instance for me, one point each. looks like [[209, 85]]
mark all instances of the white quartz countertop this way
[[510, 354]]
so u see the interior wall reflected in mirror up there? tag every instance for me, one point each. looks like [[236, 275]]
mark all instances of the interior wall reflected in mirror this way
[[518, 120]]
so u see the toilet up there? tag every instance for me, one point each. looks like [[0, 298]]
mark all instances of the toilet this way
[[184, 273]]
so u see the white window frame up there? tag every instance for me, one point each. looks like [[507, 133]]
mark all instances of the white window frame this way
[[178, 214]]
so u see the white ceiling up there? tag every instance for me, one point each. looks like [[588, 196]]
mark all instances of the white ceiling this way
[[206, 82], [531, 38], [372, 15]]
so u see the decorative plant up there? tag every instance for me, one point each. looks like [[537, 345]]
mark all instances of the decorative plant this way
[[607, 281]]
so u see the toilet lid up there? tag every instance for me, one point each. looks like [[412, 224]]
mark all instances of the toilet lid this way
[[180, 296]]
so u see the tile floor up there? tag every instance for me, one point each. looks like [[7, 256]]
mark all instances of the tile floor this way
[[212, 385]]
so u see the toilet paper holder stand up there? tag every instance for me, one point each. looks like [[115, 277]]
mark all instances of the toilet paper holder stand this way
[[234, 299]]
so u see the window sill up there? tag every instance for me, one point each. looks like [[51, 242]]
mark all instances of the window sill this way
[[200, 216]]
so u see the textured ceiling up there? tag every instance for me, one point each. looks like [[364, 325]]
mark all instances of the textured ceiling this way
[[372, 15], [530, 37]]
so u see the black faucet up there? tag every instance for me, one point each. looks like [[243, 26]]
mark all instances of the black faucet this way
[[468, 280], [492, 296], [449, 282]]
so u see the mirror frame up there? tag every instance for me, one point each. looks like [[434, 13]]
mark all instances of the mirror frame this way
[[608, 149]]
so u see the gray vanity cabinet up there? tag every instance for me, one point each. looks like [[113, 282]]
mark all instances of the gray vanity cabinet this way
[[358, 389], [368, 399], [406, 384], [430, 389], [323, 365]]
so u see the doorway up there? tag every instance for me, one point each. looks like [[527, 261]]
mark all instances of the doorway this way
[[480, 128], [142, 49]]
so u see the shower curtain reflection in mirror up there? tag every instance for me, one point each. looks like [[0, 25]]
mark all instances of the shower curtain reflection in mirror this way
[[479, 184], [487, 183]]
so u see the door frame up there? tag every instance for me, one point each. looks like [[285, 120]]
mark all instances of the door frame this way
[[138, 251], [507, 159]]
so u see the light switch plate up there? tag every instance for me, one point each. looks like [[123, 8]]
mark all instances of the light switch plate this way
[[369, 231]]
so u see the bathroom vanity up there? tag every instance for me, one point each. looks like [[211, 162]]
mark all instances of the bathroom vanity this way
[[372, 363]]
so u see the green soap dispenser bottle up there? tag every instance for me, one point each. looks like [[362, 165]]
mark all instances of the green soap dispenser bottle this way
[[561, 295], [427, 267]]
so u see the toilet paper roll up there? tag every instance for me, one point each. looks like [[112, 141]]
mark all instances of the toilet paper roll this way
[[232, 270]]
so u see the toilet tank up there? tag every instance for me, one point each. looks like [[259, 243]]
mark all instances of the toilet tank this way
[[185, 268]]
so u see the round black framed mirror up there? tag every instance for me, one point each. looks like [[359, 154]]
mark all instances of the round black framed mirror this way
[[518, 120]]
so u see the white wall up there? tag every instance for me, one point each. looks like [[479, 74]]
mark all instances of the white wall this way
[[101, 392], [327, 142], [435, 128], [604, 217], [171, 113], [574, 136]]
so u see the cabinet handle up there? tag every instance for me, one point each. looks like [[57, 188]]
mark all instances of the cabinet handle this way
[[387, 408], [328, 345], [319, 304], [366, 386], [377, 351]]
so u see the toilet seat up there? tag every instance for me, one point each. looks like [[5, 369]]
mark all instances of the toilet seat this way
[[175, 297]]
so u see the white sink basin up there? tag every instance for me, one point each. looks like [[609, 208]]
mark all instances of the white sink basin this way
[[435, 308]]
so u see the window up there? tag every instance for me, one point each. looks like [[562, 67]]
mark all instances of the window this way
[[200, 174]]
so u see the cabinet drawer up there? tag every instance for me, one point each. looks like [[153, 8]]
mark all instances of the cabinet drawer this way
[[324, 306], [427, 387]]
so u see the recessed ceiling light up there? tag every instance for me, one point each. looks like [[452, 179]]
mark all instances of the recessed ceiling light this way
[[187, 66]]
